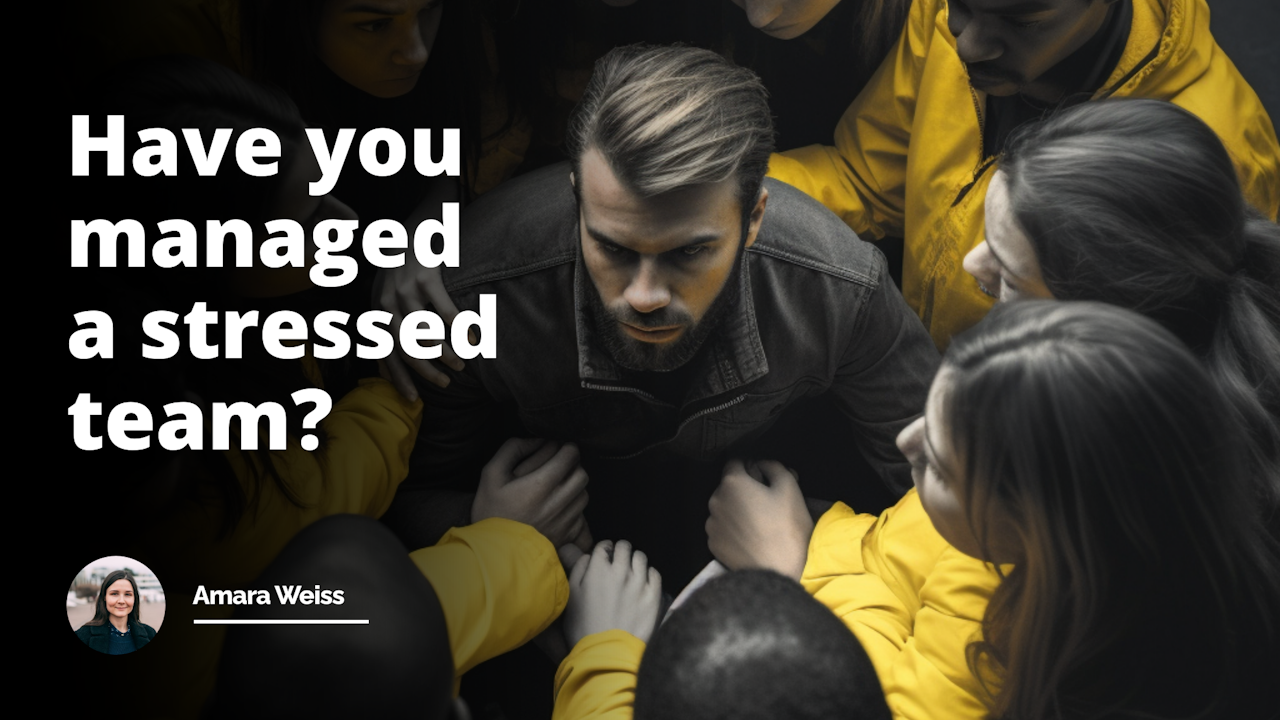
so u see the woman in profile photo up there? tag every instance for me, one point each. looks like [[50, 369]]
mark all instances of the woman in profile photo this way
[[116, 628]]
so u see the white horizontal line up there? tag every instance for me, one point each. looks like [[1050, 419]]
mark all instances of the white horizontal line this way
[[280, 622]]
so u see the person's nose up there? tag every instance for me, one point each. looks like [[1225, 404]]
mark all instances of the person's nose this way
[[412, 48], [974, 41], [647, 291], [910, 440], [761, 12], [981, 264]]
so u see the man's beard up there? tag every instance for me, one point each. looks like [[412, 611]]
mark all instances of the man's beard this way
[[641, 356]]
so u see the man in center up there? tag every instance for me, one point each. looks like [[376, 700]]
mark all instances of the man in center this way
[[660, 304]]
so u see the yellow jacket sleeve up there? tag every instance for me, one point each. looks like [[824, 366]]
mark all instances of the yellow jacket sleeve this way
[[598, 677], [499, 582], [863, 178], [370, 434], [913, 601], [858, 567], [931, 677]]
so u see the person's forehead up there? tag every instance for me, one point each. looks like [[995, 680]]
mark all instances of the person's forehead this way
[[996, 205], [934, 412], [654, 224], [376, 7], [1006, 240]]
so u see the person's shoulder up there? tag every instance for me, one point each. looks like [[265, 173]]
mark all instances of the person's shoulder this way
[[525, 224], [797, 230], [144, 630], [86, 631]]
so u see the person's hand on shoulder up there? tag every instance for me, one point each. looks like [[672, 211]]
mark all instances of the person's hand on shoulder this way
[[613, 588], [759, 519]]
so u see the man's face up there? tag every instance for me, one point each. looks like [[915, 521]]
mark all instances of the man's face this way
[[1006, 45], [658, 264]]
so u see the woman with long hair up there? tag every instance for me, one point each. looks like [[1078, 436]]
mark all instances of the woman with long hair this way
[[116, 627], [1086, 446], [1136, 203], [405, 65], [1094, 549]]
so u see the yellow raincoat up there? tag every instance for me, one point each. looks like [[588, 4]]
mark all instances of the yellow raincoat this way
[[913, 601], [908, 154]]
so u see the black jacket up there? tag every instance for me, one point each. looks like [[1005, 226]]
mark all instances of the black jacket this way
[[817, 313], [98, 637]]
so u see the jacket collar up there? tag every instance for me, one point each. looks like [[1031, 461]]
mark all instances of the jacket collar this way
[[734, 357]]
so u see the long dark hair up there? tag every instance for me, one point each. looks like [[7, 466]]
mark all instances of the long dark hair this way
[[1147, 585], [1137, 203], [101, 615]]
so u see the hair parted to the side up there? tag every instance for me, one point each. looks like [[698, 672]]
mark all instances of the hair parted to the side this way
[[669, 117], [101, 615], [1136, 203], [754, 645], [1147, 585]]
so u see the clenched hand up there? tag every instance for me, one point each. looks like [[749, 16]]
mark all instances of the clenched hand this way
[[759, 519], [537, 482]]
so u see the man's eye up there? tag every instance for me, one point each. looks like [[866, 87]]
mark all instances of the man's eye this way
[[693, 250], [375, 25], [1022, 23]]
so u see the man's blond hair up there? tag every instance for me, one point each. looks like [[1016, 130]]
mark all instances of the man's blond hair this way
[[669, 117]]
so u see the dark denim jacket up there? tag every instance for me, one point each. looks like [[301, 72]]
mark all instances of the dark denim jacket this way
[[817, 313]]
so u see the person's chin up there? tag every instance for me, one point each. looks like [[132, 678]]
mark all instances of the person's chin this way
[[394, 88], [993, 85], [787, 32]]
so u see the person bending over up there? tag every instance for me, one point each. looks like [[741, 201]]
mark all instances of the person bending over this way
[[916, 150], [1095, 548], [654, 312], [1135, 203]]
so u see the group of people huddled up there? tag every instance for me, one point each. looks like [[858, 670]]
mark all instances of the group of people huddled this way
[[1049, 482]]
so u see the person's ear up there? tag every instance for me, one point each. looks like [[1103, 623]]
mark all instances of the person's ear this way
[[757, 217]]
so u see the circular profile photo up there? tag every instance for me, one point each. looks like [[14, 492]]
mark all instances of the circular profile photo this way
[[115, 605]]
